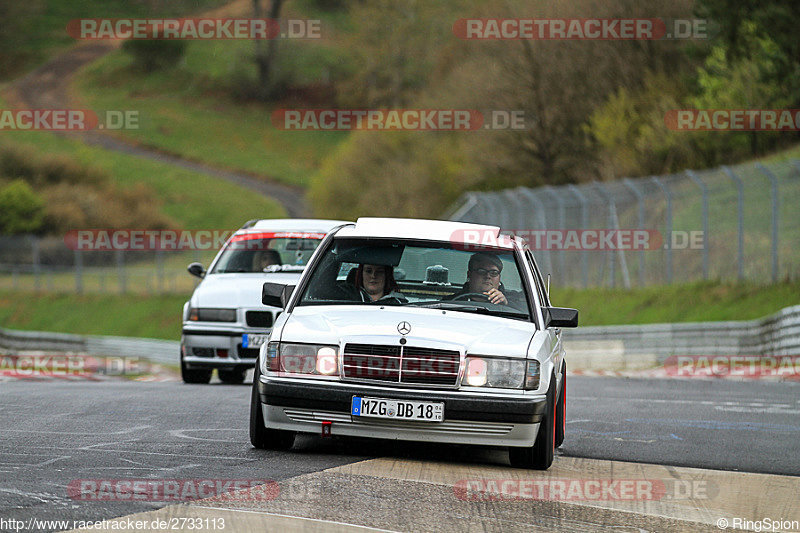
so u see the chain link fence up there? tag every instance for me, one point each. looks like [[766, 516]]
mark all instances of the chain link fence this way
[[728, 223], [47, 264]]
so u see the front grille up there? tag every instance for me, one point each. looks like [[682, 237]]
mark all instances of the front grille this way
[[246, 353], [401, 364], [258, 319], [203, 352]]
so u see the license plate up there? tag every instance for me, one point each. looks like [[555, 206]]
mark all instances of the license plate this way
[[397, 409], [253, 341]]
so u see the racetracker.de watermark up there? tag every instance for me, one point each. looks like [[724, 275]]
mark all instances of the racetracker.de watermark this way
[[67, 120], [106, 240], [172, 490], [592, 489], [597, 240], [741, 366], [583, 29], [733, 119], [194, 29], [398, 119], [36, 366]]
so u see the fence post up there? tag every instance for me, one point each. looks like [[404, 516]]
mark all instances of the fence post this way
[[612, 275], [160, 270], [465, 208], [584, 226], [740, 218], [703, 188], [775, 206], [560, 204], [641, 209], [78, 272], [668, 240], [121, 271], [541, 216], [37, 262]]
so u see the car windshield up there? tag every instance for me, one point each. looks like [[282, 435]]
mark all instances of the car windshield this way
[[417, 273], [267, 252]]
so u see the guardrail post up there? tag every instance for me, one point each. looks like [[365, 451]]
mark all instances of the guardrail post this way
[[641, 216], [584, 225], [775, 206], [740, 219], [668, 239], [704, 189]]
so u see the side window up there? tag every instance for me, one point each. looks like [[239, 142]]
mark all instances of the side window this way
[[544, 300]]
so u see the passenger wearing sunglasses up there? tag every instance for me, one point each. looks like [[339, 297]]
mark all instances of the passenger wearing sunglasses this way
[[483, 277]]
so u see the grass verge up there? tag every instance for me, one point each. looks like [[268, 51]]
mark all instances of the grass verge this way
[[159, 316]]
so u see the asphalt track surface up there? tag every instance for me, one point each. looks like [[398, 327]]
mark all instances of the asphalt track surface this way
[[56, 432]]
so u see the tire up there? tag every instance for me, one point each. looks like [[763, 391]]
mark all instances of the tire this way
[[196, 375], [261, 437], [561, 409], [540, 455], [232, 377]]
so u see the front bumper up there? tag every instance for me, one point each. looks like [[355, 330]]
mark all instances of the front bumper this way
[[492, 420], [203, 348]]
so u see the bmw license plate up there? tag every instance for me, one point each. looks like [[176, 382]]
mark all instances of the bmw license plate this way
[[253, 341], [397, 409]]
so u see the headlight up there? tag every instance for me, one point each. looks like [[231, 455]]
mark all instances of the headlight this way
[[207, 314], [306, 359], [500, 373]]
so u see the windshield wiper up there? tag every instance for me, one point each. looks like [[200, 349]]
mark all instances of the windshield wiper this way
[[471, 309]]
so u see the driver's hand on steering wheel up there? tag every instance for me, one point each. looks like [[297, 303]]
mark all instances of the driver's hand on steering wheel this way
[[496, 297]]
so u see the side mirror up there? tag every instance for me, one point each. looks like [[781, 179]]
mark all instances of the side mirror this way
[[197, 270], [276, 294], [560, 317]]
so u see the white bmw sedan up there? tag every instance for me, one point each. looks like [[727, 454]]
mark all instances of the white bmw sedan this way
[[416, 330]]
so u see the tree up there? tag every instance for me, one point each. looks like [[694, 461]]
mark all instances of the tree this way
[[21, 209], [266, 52]]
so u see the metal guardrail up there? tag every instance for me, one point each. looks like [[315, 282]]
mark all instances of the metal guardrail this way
[[157, 351], [651, 344]]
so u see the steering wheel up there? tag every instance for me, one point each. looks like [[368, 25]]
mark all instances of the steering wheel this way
[[469, 295]]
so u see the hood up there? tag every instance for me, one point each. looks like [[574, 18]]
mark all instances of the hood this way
[[477, 334], [237, 290]]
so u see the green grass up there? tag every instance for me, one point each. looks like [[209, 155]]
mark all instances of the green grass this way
[[695, 302], [195, 201], [159, 316], [156, 317], [196, 110], [41, 29]]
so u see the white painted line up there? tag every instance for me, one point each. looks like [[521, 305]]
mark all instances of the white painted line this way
[[277, 515]]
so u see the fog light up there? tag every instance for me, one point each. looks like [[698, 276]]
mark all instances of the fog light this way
[[222, 353]]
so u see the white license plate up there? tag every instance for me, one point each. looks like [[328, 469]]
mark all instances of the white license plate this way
[[253, 341], [397, 409]]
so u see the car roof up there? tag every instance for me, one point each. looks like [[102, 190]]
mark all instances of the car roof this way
[[434, 230], [293, 224]]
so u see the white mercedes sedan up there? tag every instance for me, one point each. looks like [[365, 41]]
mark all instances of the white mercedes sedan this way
[[416, 330]]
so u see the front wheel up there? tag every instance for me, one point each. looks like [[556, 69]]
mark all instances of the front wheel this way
[[260, 436], [540, 455]]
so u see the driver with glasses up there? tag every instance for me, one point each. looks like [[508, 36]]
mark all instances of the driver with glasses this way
[[483, 278]]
